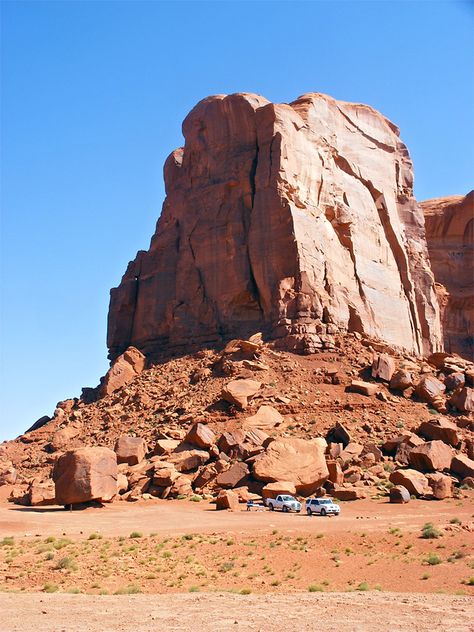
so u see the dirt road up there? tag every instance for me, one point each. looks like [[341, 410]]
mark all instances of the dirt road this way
[[345, 612], [178, 517]]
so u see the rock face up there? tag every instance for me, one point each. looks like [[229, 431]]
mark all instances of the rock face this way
[[296, 220], [450, 236], [85, 474], [122, 371], [294, 460]]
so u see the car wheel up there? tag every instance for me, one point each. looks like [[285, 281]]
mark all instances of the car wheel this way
[[284, 508], [309, 512], [323, 512], [272, 508]]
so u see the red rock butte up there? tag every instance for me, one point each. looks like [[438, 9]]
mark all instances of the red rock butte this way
[[297, 220]]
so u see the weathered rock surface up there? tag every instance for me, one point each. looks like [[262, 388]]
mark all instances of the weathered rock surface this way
[[450, 235], [296, 220], [441, 485], [201, 436], [85, 474], [272, 490], [415, 482], [440, 429], [266, 417], [399, 494], [462, 466], [130, 450], [123, 370], [296, 460], [239, 392], [41, 494], [227, 499], [431, 456]]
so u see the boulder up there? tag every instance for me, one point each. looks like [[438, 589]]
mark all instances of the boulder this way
[[351, 452], [66, 438], [336, 474], [164, 474], [239, 392], [349, 493], [401, 380], [266, 417], [339, 434], [383, 367], [455, 381], [163, 447], [291, 459], [235, 476], [186, 458], [122, 483], [272, 490], [415, 482], [227, 499], [201, 436], [431, 390], [40, 494], [431, 456], [442, 430], [124, 369], [320, 224], [441, 485], [462, 466], [468, 482], [230, 442], [130, 450], [372, 448], [85, 474], [364, 388], [463, 400], [8, 474], [399, 494]]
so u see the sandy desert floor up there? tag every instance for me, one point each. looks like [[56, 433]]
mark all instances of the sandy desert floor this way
[[199, 569]]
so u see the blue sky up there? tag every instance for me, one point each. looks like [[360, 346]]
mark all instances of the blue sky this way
[[93, 96]]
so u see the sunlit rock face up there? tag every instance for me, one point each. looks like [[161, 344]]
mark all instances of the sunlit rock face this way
[[297, 220], [450, 236]]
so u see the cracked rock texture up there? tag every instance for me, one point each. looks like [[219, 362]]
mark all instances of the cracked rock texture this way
[[297, 220], [450, 235]]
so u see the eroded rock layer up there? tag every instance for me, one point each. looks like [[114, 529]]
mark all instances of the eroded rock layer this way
[[450, 236], [297, 220]]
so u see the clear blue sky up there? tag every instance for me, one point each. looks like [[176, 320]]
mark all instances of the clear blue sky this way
[[93, 96]]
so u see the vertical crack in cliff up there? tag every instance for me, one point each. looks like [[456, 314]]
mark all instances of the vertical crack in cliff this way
[[135, 292], [247, 222]]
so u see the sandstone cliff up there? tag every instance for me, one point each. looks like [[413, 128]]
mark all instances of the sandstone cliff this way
[[450, 236], [297, 220]]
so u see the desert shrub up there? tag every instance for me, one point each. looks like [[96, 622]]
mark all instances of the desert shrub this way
[[50, 588], [136, 534], [95, 536], [363, 586], [315, 588], [429, 532], [433, 559], [131, 589]]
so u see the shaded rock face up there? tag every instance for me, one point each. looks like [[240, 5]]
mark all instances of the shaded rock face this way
[[450, 235], [296, 220]]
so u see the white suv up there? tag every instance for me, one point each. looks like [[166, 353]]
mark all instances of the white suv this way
[[322, 506]]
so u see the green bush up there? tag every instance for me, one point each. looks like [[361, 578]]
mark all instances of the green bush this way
[[430, 532]]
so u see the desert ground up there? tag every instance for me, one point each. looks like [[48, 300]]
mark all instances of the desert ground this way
[[182, 565]]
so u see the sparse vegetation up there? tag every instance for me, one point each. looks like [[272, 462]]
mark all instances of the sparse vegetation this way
[[429, 531]]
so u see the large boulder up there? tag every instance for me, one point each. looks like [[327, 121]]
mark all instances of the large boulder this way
[[415, 482], [200, 436], [235, 476], [462, 465], [187, 458], [383, 367], [272, 490], [399, 495], [463, 400], [239, 392], [227, 499], [441, 485], [40, 494], [124, 369], [320, 232], [440, 429], [130, 450], [291, 459], [85, 474], [401, 380], [266, 417], [8, 473], [431, 456], [431, 390]]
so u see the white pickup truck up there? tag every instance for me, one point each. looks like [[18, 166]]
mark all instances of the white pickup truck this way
[[284, 502]]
